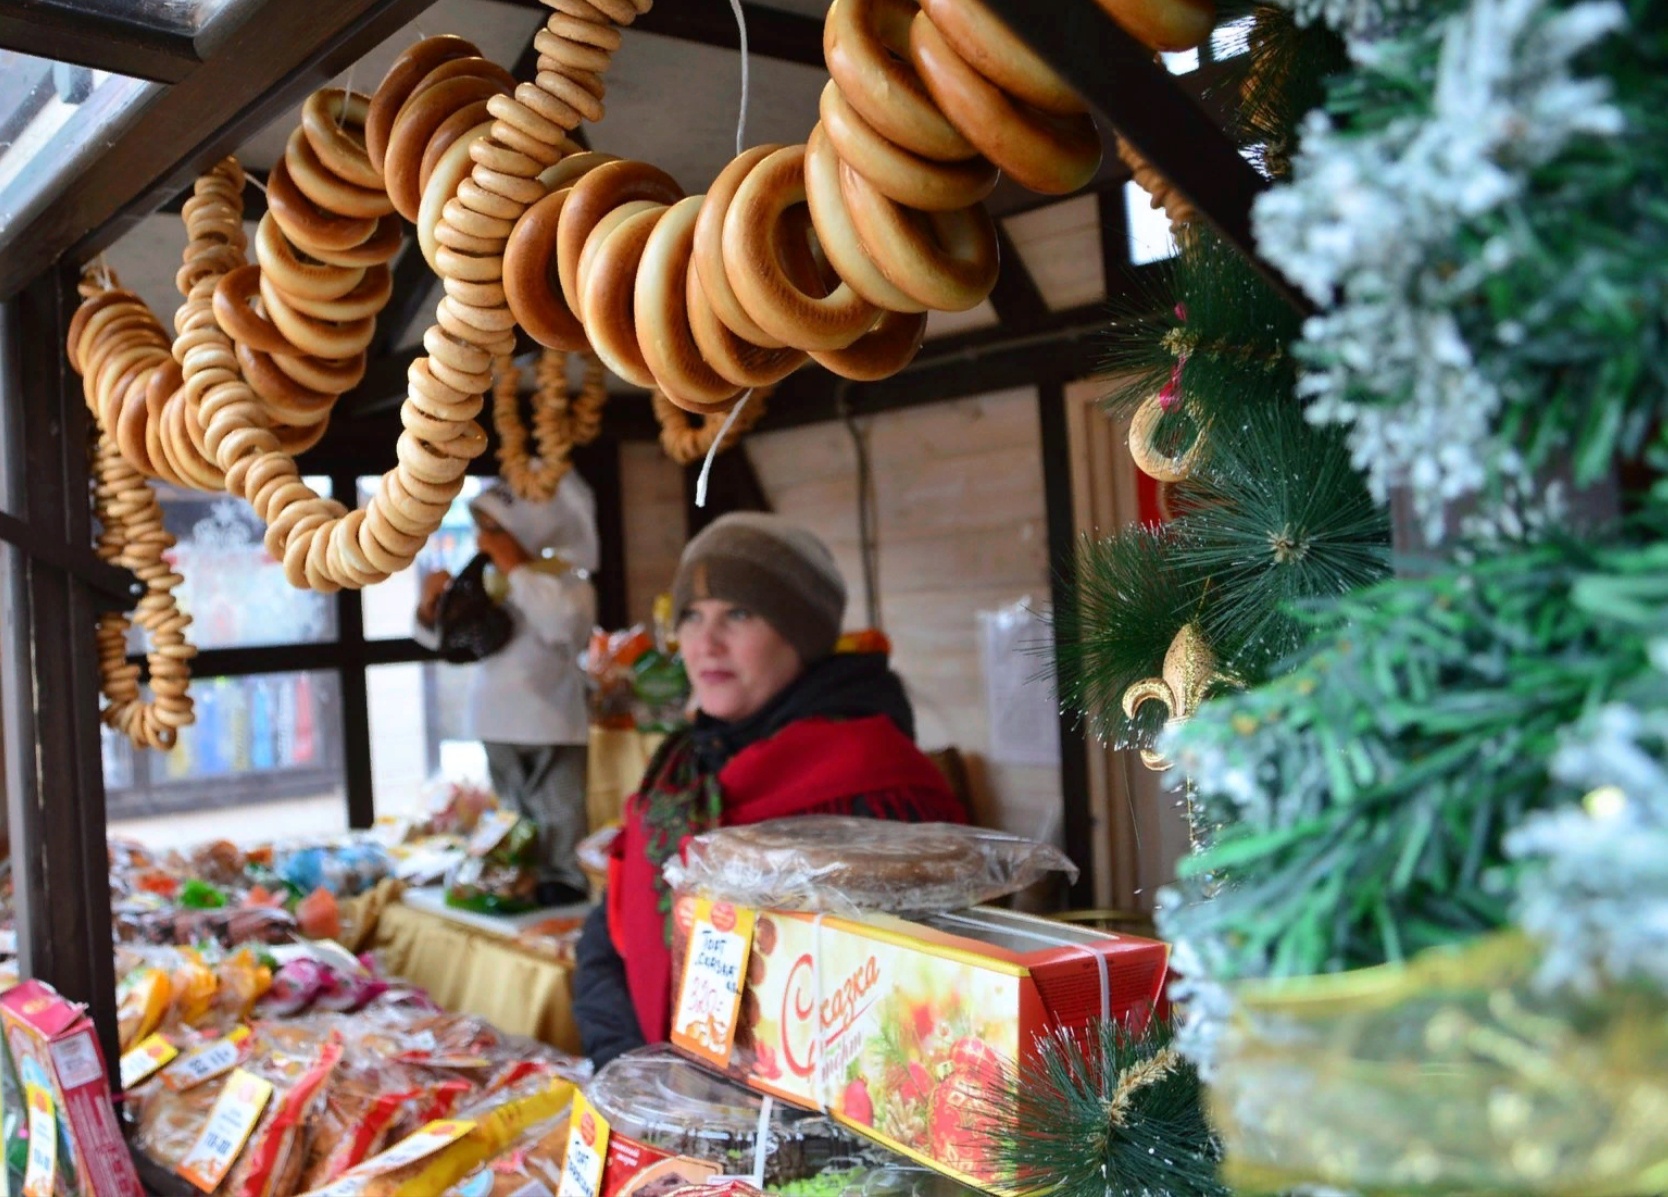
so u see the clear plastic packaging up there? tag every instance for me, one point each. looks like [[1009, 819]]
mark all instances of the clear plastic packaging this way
[[657, 1098], [345, 869], [532, 1167], [841, 865], [503, 879]]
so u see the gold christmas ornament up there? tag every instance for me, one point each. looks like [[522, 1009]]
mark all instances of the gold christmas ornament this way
[[1160, 466], [1190, 669]]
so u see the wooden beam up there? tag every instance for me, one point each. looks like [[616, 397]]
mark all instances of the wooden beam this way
[[101, 41], [281, 51], [413, 283], [1170, 127], [1062, 538], [1017, 301], [54, 768], [771, 33]]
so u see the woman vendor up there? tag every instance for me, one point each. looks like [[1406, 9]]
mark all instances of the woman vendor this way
[[785, 727]]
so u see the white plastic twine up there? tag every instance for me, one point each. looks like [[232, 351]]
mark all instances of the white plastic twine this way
[[741, 121], [718, 443], [816, 1014], [1030, 932], [761, 1145], [741, 148]]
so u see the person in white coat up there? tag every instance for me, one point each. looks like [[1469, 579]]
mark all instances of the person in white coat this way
[[527, 702]]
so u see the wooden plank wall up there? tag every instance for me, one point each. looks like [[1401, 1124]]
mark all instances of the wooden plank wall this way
[[652, 486], [958, 490]]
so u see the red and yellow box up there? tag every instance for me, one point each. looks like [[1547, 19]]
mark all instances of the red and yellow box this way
[[56, 1037], [905, 1031]]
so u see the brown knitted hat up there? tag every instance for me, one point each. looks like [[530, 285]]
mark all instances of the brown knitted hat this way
[[775, 569]]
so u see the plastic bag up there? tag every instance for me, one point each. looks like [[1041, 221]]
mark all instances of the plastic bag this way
[[609, 662], [532, 1167], [503, 880], [471, 624], [842, 865], [555, 939], [346, 870], [657, 1098]]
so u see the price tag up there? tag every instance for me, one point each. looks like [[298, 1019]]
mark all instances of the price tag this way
[[587, 1151], [145, 1058], [206, 1062], [228, 1128], [490, 831], [40, 1174], [714, 974]]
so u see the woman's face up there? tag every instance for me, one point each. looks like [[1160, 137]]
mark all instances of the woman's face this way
[[736, 661]]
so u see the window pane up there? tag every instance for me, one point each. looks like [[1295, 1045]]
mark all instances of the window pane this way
[[1150, 239], [189, 17], [1231, 39], [389, 606], [417, 732], [262, 762], [1182, 62], [54, 116], [235, 592]]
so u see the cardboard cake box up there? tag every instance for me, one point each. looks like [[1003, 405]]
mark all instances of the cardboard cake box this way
[[902, 1030], [57, 1054]]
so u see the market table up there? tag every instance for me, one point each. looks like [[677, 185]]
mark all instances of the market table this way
[[471, 964]]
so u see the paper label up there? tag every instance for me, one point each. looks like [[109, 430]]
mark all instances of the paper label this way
[[206, 1062], [77, 1061], [587, 1151], [490, 831], [228, 1128], [714, 974], [418, 1146], [146, 1058], [41, 1172]]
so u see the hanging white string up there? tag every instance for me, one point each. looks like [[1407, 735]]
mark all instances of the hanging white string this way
[[341, 116], [741, 148], [104, 277], [258, 183], [741, 120], [717, 444]]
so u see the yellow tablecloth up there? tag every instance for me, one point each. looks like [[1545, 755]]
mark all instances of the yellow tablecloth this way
[[615, 767], [470, 970]]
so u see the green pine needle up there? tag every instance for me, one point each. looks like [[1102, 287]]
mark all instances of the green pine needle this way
[[1236, 333], [1125, 603], [1066, 1143], [1286, 71], [1277, 518], [1360, 801]]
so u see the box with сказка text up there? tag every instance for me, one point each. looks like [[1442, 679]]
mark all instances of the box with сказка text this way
[[903, 1030], [52, 1039]]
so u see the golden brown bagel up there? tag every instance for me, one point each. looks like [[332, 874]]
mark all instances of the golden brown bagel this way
[[1054, 155]]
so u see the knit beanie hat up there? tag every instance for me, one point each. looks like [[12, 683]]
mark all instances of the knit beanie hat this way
[[774, 568]]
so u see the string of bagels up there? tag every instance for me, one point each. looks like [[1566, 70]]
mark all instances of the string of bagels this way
[[831, 251]]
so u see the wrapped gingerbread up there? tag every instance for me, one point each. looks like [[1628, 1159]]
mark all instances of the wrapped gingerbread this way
[[841, 865]]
